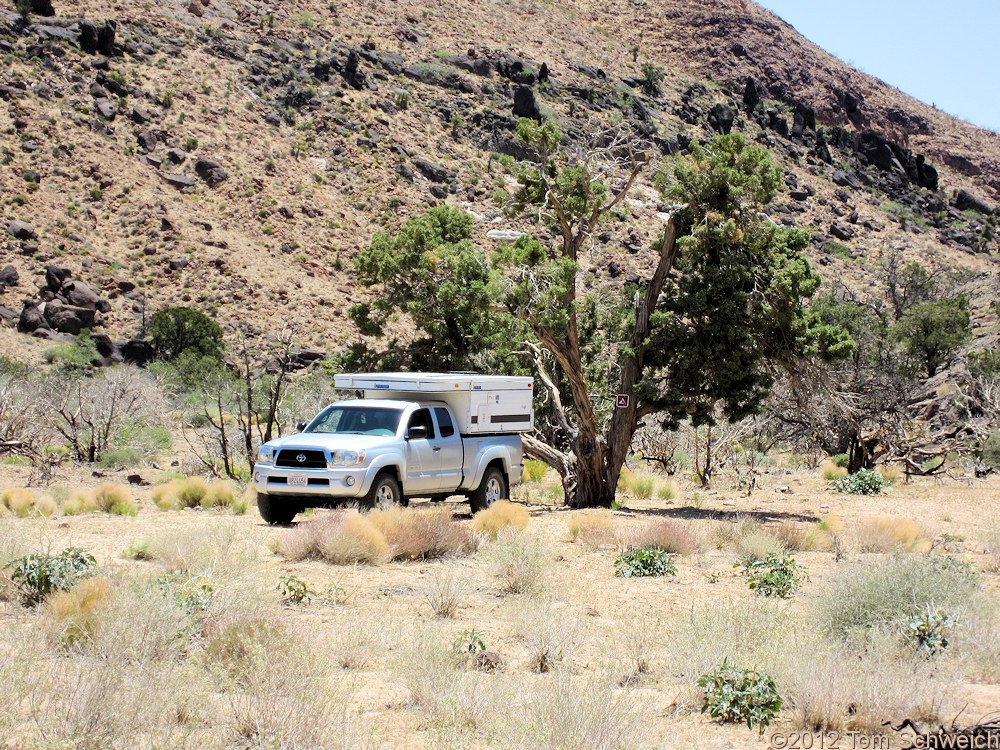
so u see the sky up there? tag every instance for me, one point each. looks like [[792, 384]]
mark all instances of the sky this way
[[943, 53]]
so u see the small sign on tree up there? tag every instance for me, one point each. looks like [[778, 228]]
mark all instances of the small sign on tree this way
[[622, 401]]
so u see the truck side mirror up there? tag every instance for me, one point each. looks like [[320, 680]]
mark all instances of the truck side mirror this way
[[417, 432], [300, 426]]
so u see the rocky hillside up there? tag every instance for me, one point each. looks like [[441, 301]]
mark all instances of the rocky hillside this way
[[235, 155]]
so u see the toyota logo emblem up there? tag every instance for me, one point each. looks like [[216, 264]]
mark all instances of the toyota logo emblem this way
[[301, 458]]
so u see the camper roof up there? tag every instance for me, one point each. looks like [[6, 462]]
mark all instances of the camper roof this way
[[430, 382]]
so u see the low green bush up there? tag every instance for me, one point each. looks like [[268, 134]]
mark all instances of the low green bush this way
[[861, 482], [775, 575], [645, 561], [35, 576], [740, 696]]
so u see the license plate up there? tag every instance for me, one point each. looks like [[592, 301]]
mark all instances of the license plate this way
[[298, 481]]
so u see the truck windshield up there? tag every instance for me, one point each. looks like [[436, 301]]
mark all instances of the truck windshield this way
[[356, 420]]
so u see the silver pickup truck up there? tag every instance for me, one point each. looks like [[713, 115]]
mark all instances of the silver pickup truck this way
[[378, 452]]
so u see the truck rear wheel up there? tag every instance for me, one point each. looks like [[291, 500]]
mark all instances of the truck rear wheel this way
[[277, 510], [492, 488], [383, 494]]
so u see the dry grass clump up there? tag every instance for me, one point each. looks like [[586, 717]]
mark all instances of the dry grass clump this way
[[195, 492], [671, 536], [503, 514], [832, 472], [549, 635], [444, 590], [797, 537], [888, 534], [78, 503], [74, 611], [114, 499], [191, 492], [990, 538], [22, 503], [667, 490], [219, 495], [519, 563], [421, 534], [237, 643], [340, 537], [165, 495], [594, 528], [534, 470], [639, 486]]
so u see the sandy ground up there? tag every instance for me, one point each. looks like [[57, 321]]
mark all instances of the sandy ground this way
[[386, 605]]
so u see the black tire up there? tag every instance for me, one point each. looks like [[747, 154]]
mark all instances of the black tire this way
[[384, 493], [493, 487], [276, 510]]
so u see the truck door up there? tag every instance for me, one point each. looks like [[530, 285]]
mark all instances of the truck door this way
[[422, 460], [449, 450]]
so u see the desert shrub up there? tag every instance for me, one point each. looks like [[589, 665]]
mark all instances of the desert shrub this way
[[642, 487], [468, 645], [645, 561], [669, 536], [861, 482], [22, 503], [121, 458], [218, 495], [439, 686], [139, 551], [796, 537], [340, 537], [667, 490], [929, 631], [503, 514], [165, 495], [757, 545], [444, 590], [421, 534], [187, 591], [990, 454], [594, 528], [236, 646], [740, 696], [75, 611], [534, 470], [548, 634], [293, 590], [776, 575], [884, 594], [114, 499], [732, 535], [841, 460], [79, 502], [519, 563], [888, 534], [35, 576], [832, 472], [191, 492], [175, 330]]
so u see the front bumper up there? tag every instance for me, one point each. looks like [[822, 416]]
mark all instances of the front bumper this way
[[278, 480]]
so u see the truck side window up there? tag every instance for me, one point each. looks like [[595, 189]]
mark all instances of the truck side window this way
[[422, 418], [444, 422]]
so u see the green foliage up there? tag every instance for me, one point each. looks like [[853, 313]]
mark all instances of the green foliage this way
[[35, 576], [430, 271], [740, 696], [861, 482], [883, 594], [985, 364], [294, 590], [176, 330], [645, 561], [929, 629], [74, 357], [23, 8], [652, 78], [841, 460], [121, 458], [469, 644], [778, 574], [740, 301], [186, 590], [934, 331], [991, 451]]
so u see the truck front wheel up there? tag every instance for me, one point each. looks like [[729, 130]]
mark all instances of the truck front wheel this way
[[383, 494], [492, 488], [276, 510]]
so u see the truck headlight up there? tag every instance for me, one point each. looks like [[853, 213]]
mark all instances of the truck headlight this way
[[265, 455], [345, 458]]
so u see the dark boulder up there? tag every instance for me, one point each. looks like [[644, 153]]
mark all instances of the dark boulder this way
[[55, 277], [841, 231], [179, 181], [211, 172], [146, 140], [105, 347], [875, 149], [517, 70], [721, 118], [478, 65], [927, 176], [176, 155], [42, 8], [966, 201], [137, 352], [525, 104], [751, 95], [32, 318], [69, 318], [842, 178], [21, 230], [777, 122], [80, 294], [433, 172], [105, 108], [8, 276]]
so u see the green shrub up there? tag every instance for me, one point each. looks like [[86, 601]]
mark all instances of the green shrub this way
[[645, 561], [642, 487], [735, 695], [175, 330], [76, 356], [293, 590], [191, 492], [186, 590], [37, 575], [991, 451], [929, 630], [121, 458], [534, 470], [883, 594], [841, 460], [861, 482], [776, 575]]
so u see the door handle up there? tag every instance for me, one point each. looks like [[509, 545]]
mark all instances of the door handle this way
[[437, 448]]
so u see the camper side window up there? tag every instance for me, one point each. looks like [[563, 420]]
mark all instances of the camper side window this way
[[422, 418], [444, 422]]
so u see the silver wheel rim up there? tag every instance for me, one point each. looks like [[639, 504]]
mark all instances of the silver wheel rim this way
[[384, 495], [493, 490]]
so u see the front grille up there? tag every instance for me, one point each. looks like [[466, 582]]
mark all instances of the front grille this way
[[289, 458]]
